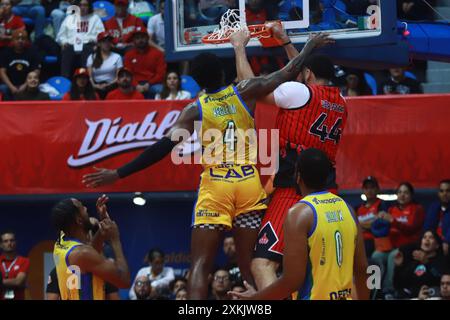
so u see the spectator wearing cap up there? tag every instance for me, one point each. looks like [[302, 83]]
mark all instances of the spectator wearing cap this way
[[155, 27], [122, 25], [438, 214], [171, 89], [32, 91], [368, 211], [78, 42], [146, 63], [8, 23], [399, 83], [159, 275], [406, 220], [81, 88], [16, 63], [125, 90], [31, 9], [103, 65]]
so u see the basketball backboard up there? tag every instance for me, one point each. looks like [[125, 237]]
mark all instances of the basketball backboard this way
[[370, 24]]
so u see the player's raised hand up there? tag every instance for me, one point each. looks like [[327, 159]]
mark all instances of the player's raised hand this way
[[100, 178], [278, 31], [101, 207], [240, 38], [246, 295], [320, 39]]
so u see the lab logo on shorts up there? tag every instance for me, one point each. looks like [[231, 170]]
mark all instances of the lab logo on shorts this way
[[264, 240]]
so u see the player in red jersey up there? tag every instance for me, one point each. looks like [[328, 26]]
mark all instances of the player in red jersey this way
[[312, 115]]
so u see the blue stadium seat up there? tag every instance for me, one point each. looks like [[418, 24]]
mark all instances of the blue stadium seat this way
[[61, 84], [104, 9], [190, 85], [51, 59], [371, 82]]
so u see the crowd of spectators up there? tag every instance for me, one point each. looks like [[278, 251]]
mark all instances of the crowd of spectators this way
[[125, 40]]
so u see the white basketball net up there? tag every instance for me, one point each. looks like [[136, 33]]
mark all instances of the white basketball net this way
[[230, 22]]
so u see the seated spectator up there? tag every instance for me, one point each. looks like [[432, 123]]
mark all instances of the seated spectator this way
[[81, 88], [31, 9], [399, 83], [406, 221], [8, 23], [171, 89], [13, 269], [31, 91], [146, 63], [159, 275], [57, 11], [103, 65], [355, 85], [418, 265], [155, 27], [142, 288], [78, 44], [16, 63], [220, 286], [177, 284], [122, 25], [444, 289], [438, 215], [229, 248], [181, 294], [368, 211], [125, 90]]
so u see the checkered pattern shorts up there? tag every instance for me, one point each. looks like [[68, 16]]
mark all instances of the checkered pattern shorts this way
[[250, 220]]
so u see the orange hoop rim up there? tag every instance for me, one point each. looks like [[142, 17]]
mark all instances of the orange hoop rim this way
[[256, 31]]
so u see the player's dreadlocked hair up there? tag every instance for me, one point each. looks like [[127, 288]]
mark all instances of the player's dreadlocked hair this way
[[207, 70], [313, 167], [64, 214]]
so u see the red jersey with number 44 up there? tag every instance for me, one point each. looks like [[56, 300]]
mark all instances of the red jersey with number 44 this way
[[317, 122]]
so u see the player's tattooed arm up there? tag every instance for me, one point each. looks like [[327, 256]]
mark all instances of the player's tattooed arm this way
[[261, 86], [151, 154]]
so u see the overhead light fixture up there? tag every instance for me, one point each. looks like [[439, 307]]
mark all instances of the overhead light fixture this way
[[138, 199]]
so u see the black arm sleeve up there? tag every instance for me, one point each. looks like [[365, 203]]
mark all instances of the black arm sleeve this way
[[52, 284], [148, 157]]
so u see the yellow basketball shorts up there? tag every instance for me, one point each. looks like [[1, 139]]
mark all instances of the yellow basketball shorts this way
[[226, 192]]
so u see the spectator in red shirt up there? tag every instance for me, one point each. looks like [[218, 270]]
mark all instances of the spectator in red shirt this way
[[368, 211], [146, 63], [406, 219], [82, 88], [122, 25], [14, 269], [8, 23], [126, 90]]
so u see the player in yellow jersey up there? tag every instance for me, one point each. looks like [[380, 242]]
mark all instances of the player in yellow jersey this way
[[81, 268], [230, 194], [324, 256]]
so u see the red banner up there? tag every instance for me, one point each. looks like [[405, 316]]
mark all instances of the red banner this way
[[47, 147]]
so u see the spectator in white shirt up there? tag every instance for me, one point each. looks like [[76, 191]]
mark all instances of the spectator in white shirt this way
[[172, 88], [78, 38], [155, 27], [159, 275], [104, 64]]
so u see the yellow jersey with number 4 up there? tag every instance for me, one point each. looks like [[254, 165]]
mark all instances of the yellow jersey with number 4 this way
[[331, 249], [228, 129]]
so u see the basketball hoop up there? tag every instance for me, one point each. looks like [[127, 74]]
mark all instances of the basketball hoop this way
[[231, 23]]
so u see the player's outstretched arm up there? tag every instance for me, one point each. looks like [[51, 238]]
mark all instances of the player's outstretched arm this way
[[280, 34], [239, 40], [150, 155], [259, 87], [360, 269]]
